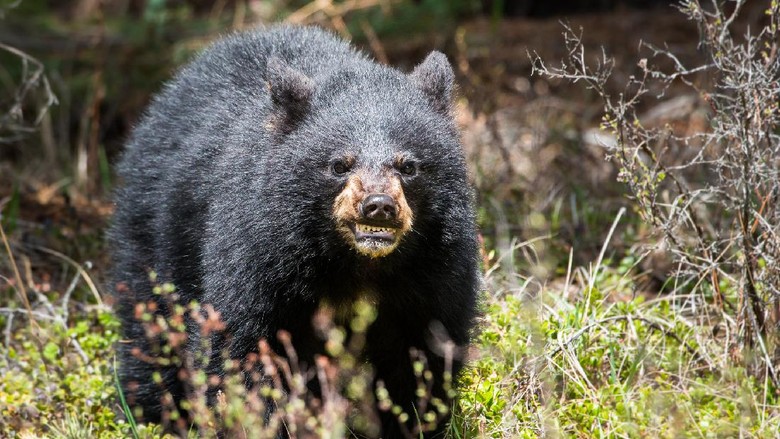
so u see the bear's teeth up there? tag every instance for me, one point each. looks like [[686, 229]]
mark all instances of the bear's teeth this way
[[370, 229]]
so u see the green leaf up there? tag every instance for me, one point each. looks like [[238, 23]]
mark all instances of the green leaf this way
[[51, 351]]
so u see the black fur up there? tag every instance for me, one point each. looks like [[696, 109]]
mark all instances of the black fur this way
[[228, 193]]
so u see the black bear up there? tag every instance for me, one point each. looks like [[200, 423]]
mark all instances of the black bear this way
[[283, 169]]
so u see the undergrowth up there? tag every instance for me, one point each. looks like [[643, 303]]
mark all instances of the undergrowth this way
[[588, 355], [594, 356]]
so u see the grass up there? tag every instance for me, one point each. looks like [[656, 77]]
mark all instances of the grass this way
[[586, 365], [591, 355], [587, 354]]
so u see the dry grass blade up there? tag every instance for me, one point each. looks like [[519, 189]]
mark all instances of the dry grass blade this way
[[87, 278], [307, 14], [18, 277]]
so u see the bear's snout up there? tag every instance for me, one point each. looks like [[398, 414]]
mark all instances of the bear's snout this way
[[378, 207]]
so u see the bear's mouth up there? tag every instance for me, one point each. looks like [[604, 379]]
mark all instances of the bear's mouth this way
[[374, 233], [375, 240]]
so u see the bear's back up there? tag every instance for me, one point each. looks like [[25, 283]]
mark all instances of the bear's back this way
[[237, 64]]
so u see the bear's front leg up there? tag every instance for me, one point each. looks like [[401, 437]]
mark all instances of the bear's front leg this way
[[416, 376]]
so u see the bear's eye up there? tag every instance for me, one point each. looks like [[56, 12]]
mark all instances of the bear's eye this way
[[408, 168], [339, 167]]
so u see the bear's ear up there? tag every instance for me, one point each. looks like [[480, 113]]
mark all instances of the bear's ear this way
[[291, 93], [435, 78]]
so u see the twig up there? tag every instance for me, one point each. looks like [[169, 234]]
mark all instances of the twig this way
[[374, 42], [68, 292], [8, 325], [20, 284], [52, 312], [37, 314], [305, 13], [34, 78], [92, 287]]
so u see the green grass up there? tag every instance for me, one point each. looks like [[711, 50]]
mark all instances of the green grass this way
[[586, 353], [581, 356], [594, 361]]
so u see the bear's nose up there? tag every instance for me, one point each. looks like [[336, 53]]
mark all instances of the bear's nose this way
[[379, 207]]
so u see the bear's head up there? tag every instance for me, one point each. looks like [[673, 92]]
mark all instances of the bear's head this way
[[378, 149]]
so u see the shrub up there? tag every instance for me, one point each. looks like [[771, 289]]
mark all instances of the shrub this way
[[712, 196]]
